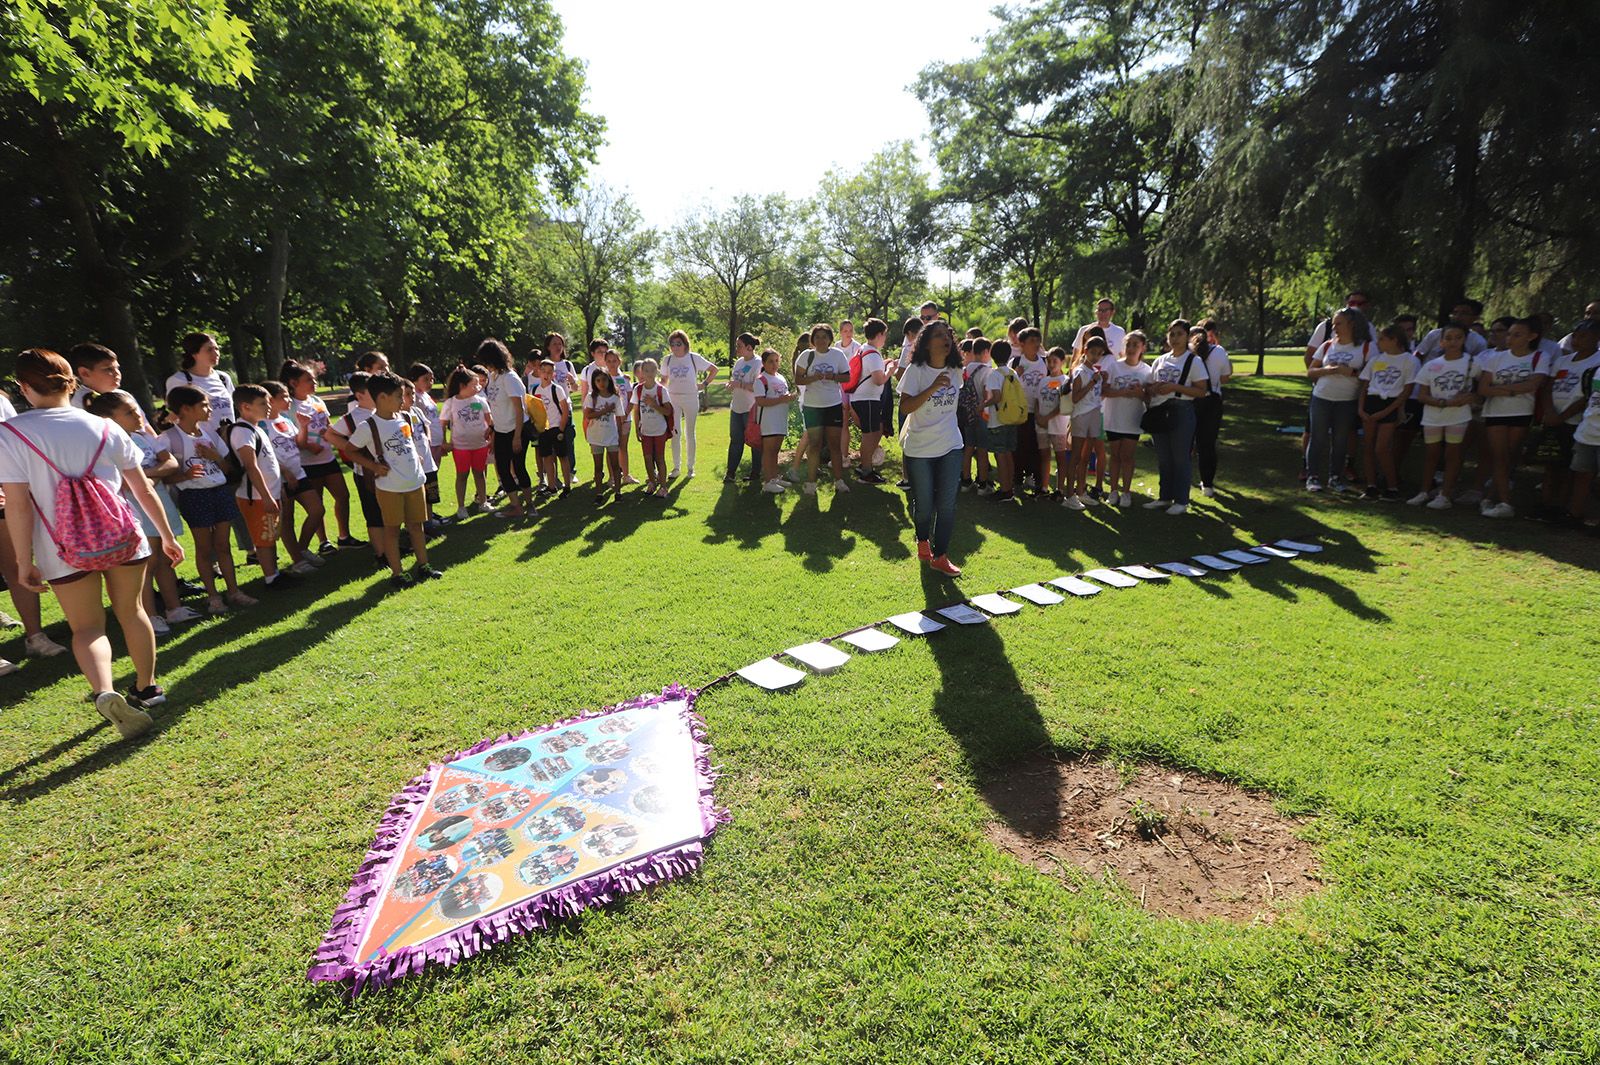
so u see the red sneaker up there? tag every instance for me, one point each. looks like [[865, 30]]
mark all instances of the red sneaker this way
[[924, 551], [945, 566]]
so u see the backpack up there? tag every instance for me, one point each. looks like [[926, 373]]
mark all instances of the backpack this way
[[1013, 407], [95, 528], [536, 411], [668, 411], [969, 405], [855, 368], [232, 469]]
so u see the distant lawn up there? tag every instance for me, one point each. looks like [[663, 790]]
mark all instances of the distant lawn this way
[[1425, 689]]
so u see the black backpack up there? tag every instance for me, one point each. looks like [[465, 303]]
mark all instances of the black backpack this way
[[969, 405]]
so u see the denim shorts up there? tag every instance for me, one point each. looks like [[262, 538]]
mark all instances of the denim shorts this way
[[203, 508]]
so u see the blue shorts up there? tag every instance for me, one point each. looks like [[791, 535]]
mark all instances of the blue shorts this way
[[204, 508]]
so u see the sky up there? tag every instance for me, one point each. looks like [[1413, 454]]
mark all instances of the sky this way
[[815, 85]]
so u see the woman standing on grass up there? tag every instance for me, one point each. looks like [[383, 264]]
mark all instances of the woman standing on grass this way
[[37, 449], [505, 394], [1335, 373], [930, 441], [1178, 378], [1122, 402]]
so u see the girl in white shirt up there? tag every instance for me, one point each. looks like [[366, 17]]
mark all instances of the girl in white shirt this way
[[73, 441], [1385, 383], [771, 406], [741, 403], [1335, 373], [504, 393], [1509, 381], [321, 465], [624, 423], [1444, 387], [652, 414], [1055, 416], [1088, 420], [1121, 406], [601, 409]]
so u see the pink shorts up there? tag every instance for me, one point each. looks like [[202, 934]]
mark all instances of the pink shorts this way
[[655, 447], [471, 459]]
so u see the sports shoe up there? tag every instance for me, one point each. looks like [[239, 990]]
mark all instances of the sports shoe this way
[[317, 561], [351, 541], [629, 478], [986, 489], [1313, 485], [239, 599], [40, 645], [425, 573], [841, 485], [182, 614], [943, 565], [7, 667], [809, 488], [1337, 486], [1390, 495], [1003, 497], [691, 471], [795, 474], [129, 720], [1208, 491], [402, 580], [1090, 501], [482, 507], [1178, 508], [924, 551], [159, 626], [904, 484], [1440, 502], [1370, 494], [145, 698], [1501, 510], [1126, 500], [9, 622], [673, 476], [1073, 503], [1485, 505], [1158, 504], [776, 486], [868, 477], [280, 581], [1471, 495], [328, 548], [966, 484], [1418, 499], [188, 587], [303, 567]]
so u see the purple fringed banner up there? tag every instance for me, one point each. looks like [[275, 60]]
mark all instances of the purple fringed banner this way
[[514, 833]]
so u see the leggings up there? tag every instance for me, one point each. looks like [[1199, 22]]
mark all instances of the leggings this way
[[686, 409], [1207, 427], [511, 462]]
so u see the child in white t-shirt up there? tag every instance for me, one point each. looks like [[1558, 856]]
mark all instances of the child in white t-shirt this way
[[386, 445], [430, 463], [1385, 383], [203, 495], [770, 408], [465, 418], [1445, 390], [652, 415], [602, 409], [297, 487], [260, 480], [624, 423], [1088, 419], [1055, 417], [420, 378]]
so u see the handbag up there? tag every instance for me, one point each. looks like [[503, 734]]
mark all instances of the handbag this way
[[1158, 419]]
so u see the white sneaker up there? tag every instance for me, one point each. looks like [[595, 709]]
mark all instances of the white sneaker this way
[[1208, 492], [1500, 510], [986, 489], [1089, 501], [795, 474], [41, 646], [1126, 500], [1440, 502], [9, 622], [303, 567], [841, 485], [1073, 503], [809, 488], [130, 721], [1178, 508], [673, 476], [8, 667], [182, 614], [1418, 499], [1485, 505], [159, 626], [775, 486], [691, 472], [1158, 504], [1471, 495]]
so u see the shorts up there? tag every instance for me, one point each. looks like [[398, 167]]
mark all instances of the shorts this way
[[301, 487], [1563, 435], [263, 526], [402, 508], [1113, 435], [603, 449], [1509, 421], [1373, 404], [974, 435], [1060, 442], [1002, 439], [1585, 457], [823, 417], [655, 447], [323, 470], [548, 446], [1450, 434], [471, 459], [204, 508], [1089, 425], [168, 504], [81, 574], [369, 503], [568, 435], [869, 412], [1041, 435], [1412, 414]]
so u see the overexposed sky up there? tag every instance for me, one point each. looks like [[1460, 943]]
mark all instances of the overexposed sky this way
[[797, 88]]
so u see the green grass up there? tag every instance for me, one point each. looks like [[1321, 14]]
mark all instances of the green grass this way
[[1425, 689]]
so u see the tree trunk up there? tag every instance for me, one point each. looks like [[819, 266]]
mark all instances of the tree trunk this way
[[276, 288], [240, 344], [1464, 191], [397, 340]]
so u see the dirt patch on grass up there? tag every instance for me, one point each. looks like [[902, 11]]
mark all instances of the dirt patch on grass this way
[[1173, 841]]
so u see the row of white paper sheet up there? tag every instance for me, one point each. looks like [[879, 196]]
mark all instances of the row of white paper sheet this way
[[824, 657]]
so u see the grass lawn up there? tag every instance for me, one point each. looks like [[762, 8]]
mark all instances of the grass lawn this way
[[1425, 689]]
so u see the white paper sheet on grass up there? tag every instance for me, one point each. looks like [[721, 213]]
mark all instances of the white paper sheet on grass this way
[[771, 674], [916, 624], [1295, 545], [1037, 594], [1244, 556], [1111, 577], [1276, 552], [962, 614], [870, 640], [1221, 565], [1144, 573], [1183, 569], [1076, 586], [819, 656], [995, 603]]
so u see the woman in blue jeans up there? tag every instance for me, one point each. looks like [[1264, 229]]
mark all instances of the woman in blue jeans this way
[[1335, 374], [930, 440], [1178, 378]]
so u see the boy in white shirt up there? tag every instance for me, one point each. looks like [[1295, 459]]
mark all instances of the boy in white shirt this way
[[261, 479], [552, 440], [385, 445], [974, 440]]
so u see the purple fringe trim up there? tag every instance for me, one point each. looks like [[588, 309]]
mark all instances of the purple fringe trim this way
[[335, 960]]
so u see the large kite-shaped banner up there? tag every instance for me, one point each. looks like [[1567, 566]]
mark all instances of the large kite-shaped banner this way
[[519, 831]]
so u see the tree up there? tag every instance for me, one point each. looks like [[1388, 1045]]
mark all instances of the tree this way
[[733, 253], [875, 226], [600, 246]]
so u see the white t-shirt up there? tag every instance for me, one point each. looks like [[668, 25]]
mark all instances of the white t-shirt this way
[[82, 396], [1091, 400], [281, 428], [625, 390], [1389, 376], [316, 451], [823, 393], [396, 448], [683, 373], [1032, 373], [1429, 347], [1566, 379], [871, 363], [217, 386], [1320, 334], [1115, 337], [1055, 395], [740, 379], [566, 375], [1509, 369], [504, 393], [553, 396], [1588, 431], [1446, 379], [651, 422], [469, 421], [182, 446], [1169, 368], [930, 431], [1122, 413], [242, 435], [774, 419], [1218, 366], [7, 410], [70, 437], [1338, 388], [428, 410], [601, 428], [851, 348]]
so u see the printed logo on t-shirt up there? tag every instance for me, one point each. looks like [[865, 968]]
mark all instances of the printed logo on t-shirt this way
[[1386, 376]]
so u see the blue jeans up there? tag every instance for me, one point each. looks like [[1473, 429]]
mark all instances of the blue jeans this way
[[736, 444], [1331, 423], [934, 484], [1172, 451]]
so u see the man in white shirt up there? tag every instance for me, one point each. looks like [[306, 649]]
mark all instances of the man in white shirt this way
[[1114, 333], [1591, 313], [1208, 409], [1357, 301], [1464, 313]]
